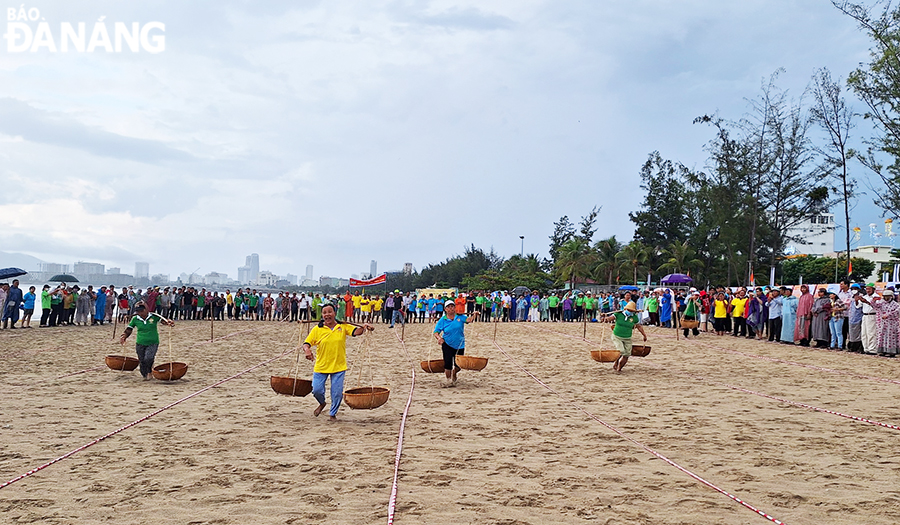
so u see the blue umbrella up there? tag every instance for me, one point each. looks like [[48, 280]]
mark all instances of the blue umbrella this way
[[8, 273], [628, 288]]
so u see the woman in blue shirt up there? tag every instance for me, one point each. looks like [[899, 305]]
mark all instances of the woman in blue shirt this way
[[28, 305], [450, 333]]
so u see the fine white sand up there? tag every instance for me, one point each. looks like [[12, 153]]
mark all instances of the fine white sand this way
[[498, 448]]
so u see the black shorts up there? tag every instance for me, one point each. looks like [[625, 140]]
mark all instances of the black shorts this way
[[450, 354], [719, 324]]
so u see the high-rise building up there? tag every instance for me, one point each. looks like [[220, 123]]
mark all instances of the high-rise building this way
[[113, 271], [309, 271], [244, 275], [253, 265], [373, 268], [291, 279], [141, 270], [52, 268], [407, 268], [86, 268]]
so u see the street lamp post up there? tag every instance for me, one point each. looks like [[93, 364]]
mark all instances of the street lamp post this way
[[522, 254]]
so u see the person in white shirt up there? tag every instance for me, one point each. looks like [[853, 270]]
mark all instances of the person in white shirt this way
[[869, 330]]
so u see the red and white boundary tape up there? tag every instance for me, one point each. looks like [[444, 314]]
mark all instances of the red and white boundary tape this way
[[141, 420], [392, 504], [760, 394], [639, 444], [804, 365]]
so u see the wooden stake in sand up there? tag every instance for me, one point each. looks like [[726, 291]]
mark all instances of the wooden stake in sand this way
[[212, 317], [116, 322]]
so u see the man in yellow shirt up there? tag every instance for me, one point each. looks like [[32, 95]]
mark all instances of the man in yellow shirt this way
[[377, 305], [738, 318], [365, 306], [330, 338], [357, 300]]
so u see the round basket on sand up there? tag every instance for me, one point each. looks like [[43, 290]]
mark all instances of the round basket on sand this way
[[122, 363], [640, 350], [434, 366], [468, 362], [605, 356], [366, 397], [170, 371], [290, 386]]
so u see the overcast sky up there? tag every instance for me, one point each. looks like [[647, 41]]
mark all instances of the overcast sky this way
[[334, 133]]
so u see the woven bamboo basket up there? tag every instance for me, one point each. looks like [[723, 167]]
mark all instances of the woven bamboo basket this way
[[640, 350], [367, 397], [688, 324], [122, 363], [434, 366], [290, 386], [468, 362], [170, 371], [605, 356]]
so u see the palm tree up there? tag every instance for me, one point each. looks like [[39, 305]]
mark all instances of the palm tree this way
[[634, 256], [606, 264], [681, 258], [575, 260]]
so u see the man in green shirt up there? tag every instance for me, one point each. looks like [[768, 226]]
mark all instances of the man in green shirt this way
[[147, 340], [653, 308], [46, 305], [553, 301], [626, 321], [579, 306]]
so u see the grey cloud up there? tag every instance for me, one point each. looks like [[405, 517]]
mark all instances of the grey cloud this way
[[36, 125], [469, 18]]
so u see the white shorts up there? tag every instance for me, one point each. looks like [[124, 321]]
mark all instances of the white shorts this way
[[703, 318]]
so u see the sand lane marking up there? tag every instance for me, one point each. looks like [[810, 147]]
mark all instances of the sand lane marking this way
[[745, 354], [788, 401], [760, 394], [141, 420], [795, 363], [638, 443], [392, 503], [229, 335], [92, 369]]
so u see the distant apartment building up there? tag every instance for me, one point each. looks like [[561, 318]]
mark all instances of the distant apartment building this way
[[141, 270], [215, 278], [407, 269], [335, 282], [86, 268], [309, 271], [266, 278], [813, 236], [52, 268]]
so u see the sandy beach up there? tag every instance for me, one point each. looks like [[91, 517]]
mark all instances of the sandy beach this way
[[500, 448]]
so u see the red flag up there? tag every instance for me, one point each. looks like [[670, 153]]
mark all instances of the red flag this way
[[850, 267]]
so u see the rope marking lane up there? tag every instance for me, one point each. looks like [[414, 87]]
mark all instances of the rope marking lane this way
[[392, 503], [795, 363], [141, 420], [760, 394], [642, 445]]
